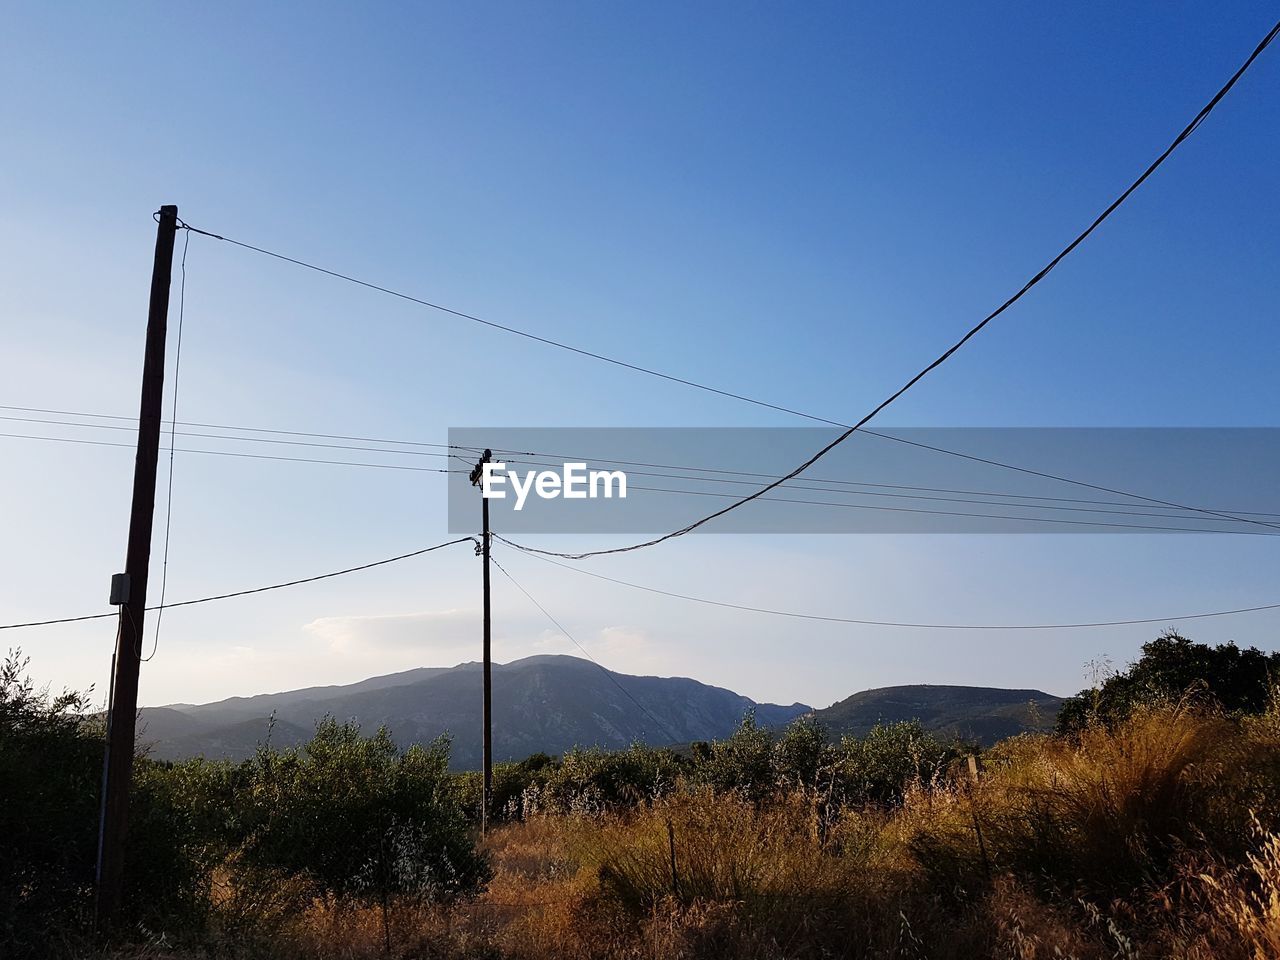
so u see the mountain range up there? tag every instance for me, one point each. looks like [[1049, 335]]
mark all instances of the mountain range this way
[[553, 703]]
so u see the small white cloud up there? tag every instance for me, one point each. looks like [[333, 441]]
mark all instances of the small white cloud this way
[[623, 639], [625, 649], [437, 633]]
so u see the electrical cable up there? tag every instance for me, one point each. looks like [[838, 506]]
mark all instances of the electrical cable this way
[[896, 623], [173, 427], [245, 593], [233, 437], [951, 350], [675, 738], [220, 426], [958, 513], [1236, 515], [503, 327], [896, 496], [232, 453], [527, 549], [601, 461]]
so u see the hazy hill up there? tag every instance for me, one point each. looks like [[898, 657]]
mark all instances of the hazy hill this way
[[548, 703], [986, 714], [553, 703]]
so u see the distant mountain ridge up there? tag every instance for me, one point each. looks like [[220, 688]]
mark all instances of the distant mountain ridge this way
[[553, 703], [542, 703], [984, 714]]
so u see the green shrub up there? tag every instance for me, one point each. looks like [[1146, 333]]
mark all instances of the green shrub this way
[[512, 783], [741, 763], [50, 778], [1174, 668], [803, 756], [51, 753], [596, 780], [880, 767], [354, 816]]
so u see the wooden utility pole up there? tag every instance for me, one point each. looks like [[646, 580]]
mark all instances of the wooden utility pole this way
[[132, 596], [486, 798]]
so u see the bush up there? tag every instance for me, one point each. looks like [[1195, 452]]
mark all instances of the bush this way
[[355, 817], [742, 763], [50, 772], [1172, 668], [590, 781], [511, 783], [803, 756], [51, 754], [880, 767]]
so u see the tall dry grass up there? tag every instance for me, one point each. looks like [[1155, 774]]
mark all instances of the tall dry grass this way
[[1156, 837], [1100, 815]]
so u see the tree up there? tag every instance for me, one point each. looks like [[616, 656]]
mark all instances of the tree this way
[[50, 769], [880, 767], [1172, 667], [802, 754], [741, 763], [51, 749], [354, 816]]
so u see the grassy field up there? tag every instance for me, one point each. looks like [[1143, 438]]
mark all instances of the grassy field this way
[[1152, 838], [1148, 826]]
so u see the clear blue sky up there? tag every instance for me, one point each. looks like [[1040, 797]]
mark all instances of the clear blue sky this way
[[800, 202]]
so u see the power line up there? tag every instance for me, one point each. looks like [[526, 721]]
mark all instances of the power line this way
[[675, 738], [219, 426], [951, 513], [232, 453], [611, 460], [972, 332], [1238, 515], [886, 486], [724, 480], [717, 479], [49, 623], [233, 437], [1235, 515], [897, 496], [253, 590], [507, 329], [168, 505], [896, 623], [441, 470], [325, 576]]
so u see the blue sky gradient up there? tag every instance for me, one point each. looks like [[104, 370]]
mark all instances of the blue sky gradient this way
[[801, 203]]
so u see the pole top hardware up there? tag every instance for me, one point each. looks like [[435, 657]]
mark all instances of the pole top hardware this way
[[478, 470]]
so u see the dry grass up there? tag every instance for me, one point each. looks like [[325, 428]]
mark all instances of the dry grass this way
[[1100, 816], [1131, 842]]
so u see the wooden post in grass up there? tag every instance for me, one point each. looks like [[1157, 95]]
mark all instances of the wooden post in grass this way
[[671, 845], [973, 811]]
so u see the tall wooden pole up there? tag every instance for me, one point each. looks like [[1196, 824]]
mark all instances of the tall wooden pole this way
[[487, 710], [118, 770], [488, 677]]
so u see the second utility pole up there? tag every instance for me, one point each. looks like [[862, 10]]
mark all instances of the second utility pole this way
[[486, 797]]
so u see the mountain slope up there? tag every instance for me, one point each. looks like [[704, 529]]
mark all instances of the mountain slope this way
[[985, 714], [546, 703], [553, 703]]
